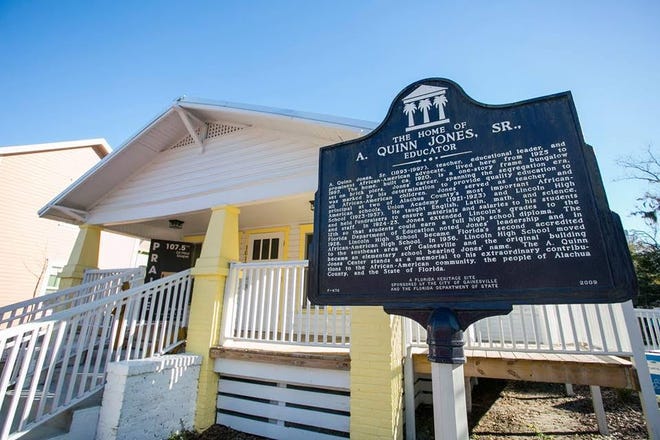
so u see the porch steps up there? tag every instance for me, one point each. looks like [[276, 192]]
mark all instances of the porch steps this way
[[62, 359], [76, 423], [83, 425]]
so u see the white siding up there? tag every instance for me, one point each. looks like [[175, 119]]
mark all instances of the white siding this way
[[294, 243], [246, 166]]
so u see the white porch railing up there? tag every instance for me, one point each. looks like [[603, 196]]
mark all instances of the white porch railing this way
[[575, 328], [96, 284], [267, 303], [649, 325], [49, 365]]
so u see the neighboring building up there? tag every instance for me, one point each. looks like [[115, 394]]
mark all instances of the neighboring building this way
[[34, 250]]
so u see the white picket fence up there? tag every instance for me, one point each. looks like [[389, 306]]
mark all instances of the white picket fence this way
[[267, 303], [96, 284], [52, 363]]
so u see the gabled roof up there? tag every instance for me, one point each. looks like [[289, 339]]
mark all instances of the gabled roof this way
[[188, 117], [100, 146]]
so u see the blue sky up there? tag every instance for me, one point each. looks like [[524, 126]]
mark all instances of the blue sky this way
[[83, 69]]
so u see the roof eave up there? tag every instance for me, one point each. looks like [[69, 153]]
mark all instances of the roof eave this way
[[54, 209], [44, 212], [63, 214], [318, 118]]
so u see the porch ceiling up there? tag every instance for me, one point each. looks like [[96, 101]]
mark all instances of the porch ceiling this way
[[292, 210], [295, 210]]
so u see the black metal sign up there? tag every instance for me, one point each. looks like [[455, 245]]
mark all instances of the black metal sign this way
[[453, 203], [168, 257]]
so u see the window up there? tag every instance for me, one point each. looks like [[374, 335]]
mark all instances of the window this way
[[266, 247], [52, 276], [53, 282]]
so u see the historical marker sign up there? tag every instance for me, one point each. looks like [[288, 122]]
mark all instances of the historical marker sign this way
[[454, 203]]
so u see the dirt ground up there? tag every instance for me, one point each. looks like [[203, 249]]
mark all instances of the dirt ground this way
[[528, 410], [525, 410]]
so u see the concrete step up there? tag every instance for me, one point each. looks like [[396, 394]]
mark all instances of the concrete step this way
[[83, 425], [74, 423], [54, 427]]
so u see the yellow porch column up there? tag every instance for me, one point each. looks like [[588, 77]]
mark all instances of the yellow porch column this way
[[85, 255], [376, 374], [221, 246]]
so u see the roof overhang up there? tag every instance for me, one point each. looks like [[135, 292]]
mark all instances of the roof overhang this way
[[187, 117]]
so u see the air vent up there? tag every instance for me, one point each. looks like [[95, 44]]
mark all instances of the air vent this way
[[187, 140], [215, 130]]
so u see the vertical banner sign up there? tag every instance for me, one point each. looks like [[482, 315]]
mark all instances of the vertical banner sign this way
[[168, 257], [454, 203]]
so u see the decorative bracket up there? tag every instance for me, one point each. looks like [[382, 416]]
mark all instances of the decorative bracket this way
[[188, 119], [77, 214]]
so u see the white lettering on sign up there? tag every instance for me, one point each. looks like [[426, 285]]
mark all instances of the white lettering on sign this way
[[465, 209]]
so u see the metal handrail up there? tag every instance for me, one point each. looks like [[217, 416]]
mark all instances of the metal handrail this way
[[96, 285], [50, 364], [91, 275]]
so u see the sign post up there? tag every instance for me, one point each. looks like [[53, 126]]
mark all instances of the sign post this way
[[452, 210], [444, 329], [448, 384]]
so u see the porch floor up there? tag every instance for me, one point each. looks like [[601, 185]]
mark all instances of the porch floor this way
[[576, 369], [293, 355]]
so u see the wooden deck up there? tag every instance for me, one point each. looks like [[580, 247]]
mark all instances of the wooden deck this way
[[287, 355], [577, 369]]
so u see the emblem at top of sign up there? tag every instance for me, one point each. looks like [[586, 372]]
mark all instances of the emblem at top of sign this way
[[430, 101]]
